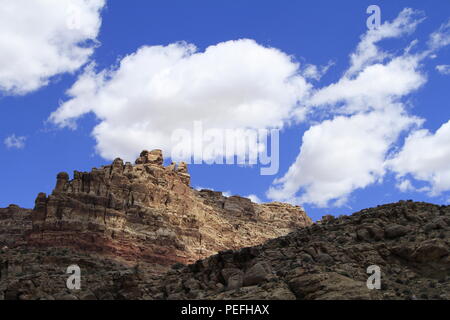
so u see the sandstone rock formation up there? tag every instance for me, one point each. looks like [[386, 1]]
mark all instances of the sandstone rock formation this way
[[148, 212]]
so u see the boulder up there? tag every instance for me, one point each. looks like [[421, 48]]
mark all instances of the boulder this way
[[394, 231], [233, 277], [256, 274]]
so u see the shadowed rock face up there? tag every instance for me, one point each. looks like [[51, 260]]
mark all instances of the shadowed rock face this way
[[409, 241], [148, 212]]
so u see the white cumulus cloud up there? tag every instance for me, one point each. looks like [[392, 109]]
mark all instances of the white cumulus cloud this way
[[43, 38], [340, 155], [159, 89], [425, 156], [375, 86]]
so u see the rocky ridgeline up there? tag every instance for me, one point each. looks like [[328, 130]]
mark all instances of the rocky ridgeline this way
[[409, 241], [147, 212]]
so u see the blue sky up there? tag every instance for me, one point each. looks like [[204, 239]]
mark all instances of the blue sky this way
[[319, 33]]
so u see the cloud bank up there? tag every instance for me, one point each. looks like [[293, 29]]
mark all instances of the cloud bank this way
[[369, 112]]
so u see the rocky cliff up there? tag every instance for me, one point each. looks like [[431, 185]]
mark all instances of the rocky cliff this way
[[15, 222], [146, 212], [408, 241]]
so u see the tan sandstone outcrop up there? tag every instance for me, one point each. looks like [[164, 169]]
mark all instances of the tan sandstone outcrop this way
[[149, 212]]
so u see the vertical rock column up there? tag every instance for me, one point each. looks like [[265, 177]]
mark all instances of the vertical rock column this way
[[61, 180], [39, 213]]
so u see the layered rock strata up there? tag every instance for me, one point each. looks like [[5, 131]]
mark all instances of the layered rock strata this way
[[148, 212]]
